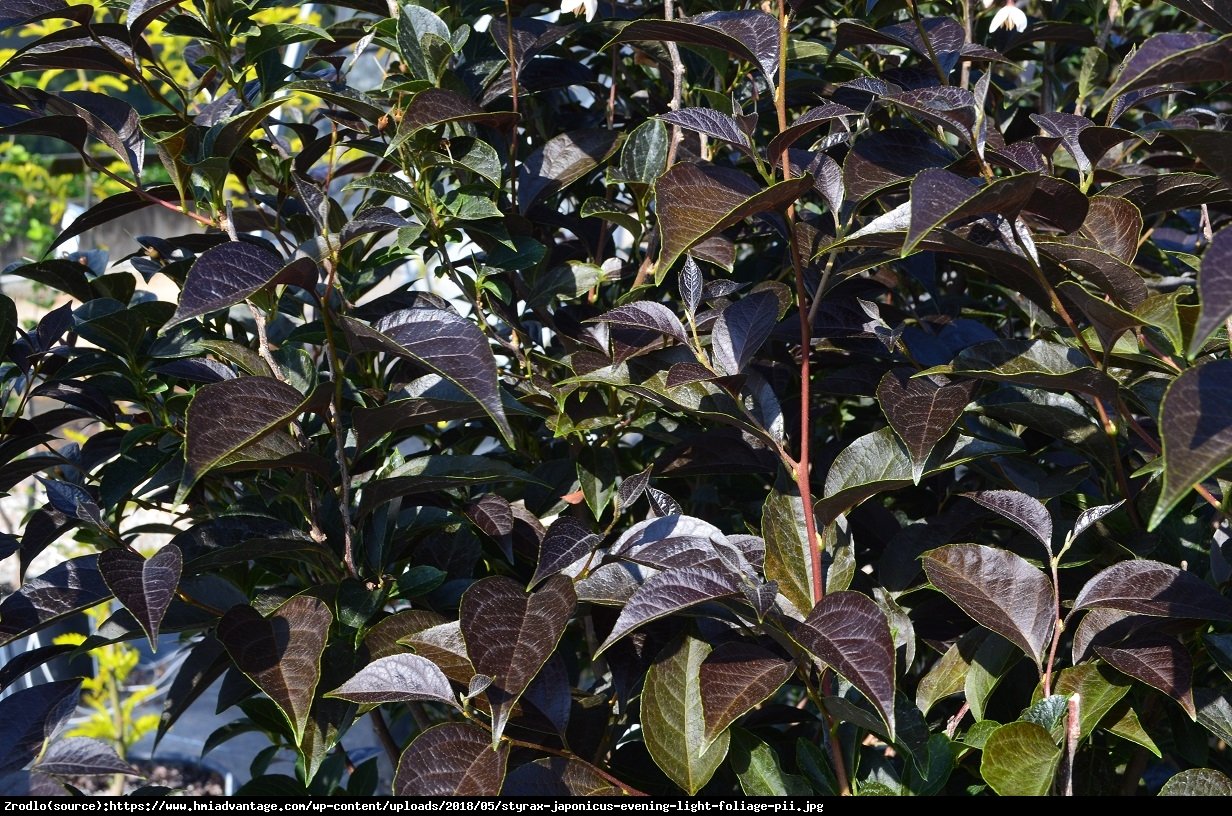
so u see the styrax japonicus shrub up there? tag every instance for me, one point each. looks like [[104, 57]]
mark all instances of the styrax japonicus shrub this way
[[835, 397]]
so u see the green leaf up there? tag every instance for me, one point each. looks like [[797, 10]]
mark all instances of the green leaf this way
[[756, 765], [1020, 759], [281, 653], [992, 660], [948, 673], [789, 559], [673, 723], [1197, 782], [1101, 689], [644, 156], [1127, 727]]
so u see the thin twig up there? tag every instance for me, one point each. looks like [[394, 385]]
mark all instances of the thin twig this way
[[1073, 731], [382, 732], [673, 53]]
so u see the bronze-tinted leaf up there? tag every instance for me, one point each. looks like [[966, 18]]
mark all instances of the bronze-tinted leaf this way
[[849, 633], [453, 759], [1154, 588], [1081, 138], [561, 161], [999, 590], [1214, 288], [1196, 426], [82, 756], [510, 635], [395, 679], [1081, 258], [145, 586], [566, 541], [1025, 511], [673, 723], [437, 106], [939, 197], [1176, 191], [1114, 224], [645, 314], [806, 123], [921, 410], [68, 587], [442, 643], [227, 420], [1037, 363], [735, 677], [281, 653], [712, 123], [1161, 663], [669, 592], [445, 342], [694, 201]]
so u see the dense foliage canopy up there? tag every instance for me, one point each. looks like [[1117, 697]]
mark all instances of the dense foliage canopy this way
[[707, 396]]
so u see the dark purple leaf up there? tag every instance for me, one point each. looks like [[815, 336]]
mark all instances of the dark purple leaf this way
[[112, 121], [373, 219], [667, 593], [1175, 57], [1176, 191], [741, 330], [1109, 320], [999, 590], [645, 314], [1161, 663], [567, 541], [750, 35], [736, 677], [31, 716], [494, 516], [1078, 258], [939, 197], [661, 504], [227, 420], [944, 106], [445, 342], [1059, 203], [146, 586], [559, 777], [1214, 288], [437, 106], [198, 370], [223, 276], [114, 207], [1082, 138], [443, 645], [82, 756], [453, 759], [886, 157], [632, 488], [15, 13], [561, 161], [1153, 588], [1091, 515], [1214, 13], [714, 124], [397, 678], [143, 12], [27, 661], [549, 697], [609, 584], [1196, 425], [68, 587], [694, 201], [849, 633], [1025, 511], [921, 411], [205, 662], [691, 285], [805, 124], [510, 635], [74, 501], [281, 653], [945, 38]]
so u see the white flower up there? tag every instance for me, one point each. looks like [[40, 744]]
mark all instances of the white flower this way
[[587, 7], [1009, 16]]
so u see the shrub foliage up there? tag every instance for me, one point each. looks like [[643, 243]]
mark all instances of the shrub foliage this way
[[783, 398]]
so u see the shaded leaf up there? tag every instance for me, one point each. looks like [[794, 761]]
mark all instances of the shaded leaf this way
[[673, 723], [947, 675], [146, 586], [281, 653], [756, 766], [68, 587], [225, 275], [509, 635], [921, 411], [558, 776], [29, 717], [999, 590], [886, 157], [1037, 363], [1214, 289], [1174, 57], [436, 106], [82, 756], [849, 633], [561, 161], [1027, 512], [695, 201], [396, 679], [445, 342], [993, 659], [666, 593], [1020, 759], [1153, 588], [736, 677], [453, 759]]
